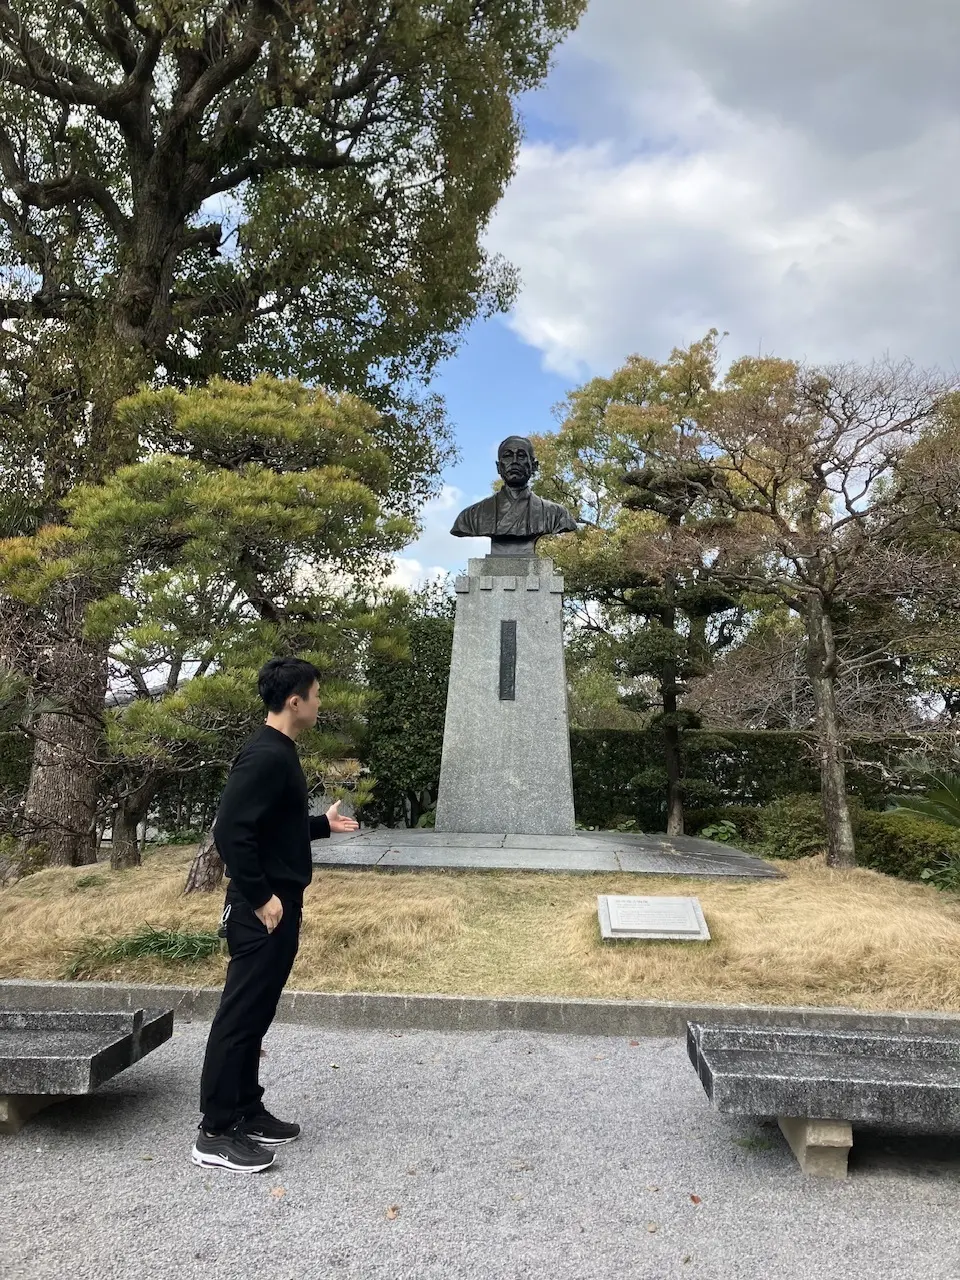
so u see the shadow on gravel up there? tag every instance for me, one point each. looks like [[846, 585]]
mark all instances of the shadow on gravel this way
[[911, 1154]]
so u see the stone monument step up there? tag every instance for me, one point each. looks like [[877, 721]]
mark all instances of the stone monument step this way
[[411, 849]]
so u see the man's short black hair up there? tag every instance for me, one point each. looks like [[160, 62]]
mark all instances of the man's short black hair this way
[[280, 678]]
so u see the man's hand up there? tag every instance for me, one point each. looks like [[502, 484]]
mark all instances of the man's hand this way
[[270, 914], [338, 822]]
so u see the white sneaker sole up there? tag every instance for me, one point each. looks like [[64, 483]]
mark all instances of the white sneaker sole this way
[[210, 1161], [272, 1142]]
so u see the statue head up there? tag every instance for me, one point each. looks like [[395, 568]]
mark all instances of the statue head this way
[[516, 462]]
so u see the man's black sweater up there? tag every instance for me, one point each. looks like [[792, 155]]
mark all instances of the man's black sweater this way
[[263, 827]]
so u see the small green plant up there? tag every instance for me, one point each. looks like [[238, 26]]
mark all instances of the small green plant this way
[[753, 1143], [945, 874], [93, 881], [183, 835], [176, 946], [724, 831], [941, 801], [428, 819]]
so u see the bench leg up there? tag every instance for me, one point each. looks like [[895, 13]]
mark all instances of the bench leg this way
[[821, 1146], [17, 1108]]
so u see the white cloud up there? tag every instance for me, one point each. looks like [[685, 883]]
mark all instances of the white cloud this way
[[436, 553], [410, 574], [785, 171]]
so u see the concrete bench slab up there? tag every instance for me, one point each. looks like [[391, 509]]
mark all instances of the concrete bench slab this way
[[818, 1084], [48, 1056]]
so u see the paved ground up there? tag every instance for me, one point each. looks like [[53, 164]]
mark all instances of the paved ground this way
[[505, 1154], [405, 849]]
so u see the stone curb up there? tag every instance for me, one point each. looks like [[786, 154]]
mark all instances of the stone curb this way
[[368, 1012]]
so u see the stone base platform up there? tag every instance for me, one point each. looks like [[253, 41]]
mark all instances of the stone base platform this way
[[415, 849]]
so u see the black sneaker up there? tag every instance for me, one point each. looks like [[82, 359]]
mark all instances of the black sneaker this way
[[268, 1131], [232, 1150]]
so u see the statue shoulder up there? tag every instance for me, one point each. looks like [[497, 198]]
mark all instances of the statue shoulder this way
[[475, 519], [556, 516]]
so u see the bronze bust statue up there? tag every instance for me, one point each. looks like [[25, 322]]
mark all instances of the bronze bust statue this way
[[516, 517]]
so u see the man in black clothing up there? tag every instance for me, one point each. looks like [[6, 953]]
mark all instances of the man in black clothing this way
[[263, 831]]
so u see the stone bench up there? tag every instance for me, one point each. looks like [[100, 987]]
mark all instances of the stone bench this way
[[46, 1057], [818, 1084]]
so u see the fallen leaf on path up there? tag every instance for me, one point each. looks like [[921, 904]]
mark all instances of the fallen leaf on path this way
[[278, 1192], [696, 1199], [652, 1188], [392, 1212], [651, 1227], [634, 1044]]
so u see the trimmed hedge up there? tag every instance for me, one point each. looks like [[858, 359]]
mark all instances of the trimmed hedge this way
[[904, 844], [618, 773]]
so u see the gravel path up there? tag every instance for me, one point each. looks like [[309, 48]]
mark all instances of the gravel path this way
[[431, 1156]]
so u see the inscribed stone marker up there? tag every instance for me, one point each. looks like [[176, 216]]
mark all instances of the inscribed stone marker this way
[[622, 916], [508, 661]]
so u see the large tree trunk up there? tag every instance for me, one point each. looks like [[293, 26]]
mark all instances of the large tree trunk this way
[[671, 726], [132, 810], [206, 870], [822, 667], [671, 751], [60, 810]]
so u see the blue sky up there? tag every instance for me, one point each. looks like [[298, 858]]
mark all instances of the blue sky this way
[[786, 172], [497, 384]]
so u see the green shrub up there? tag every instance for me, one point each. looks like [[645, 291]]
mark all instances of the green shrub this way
[[184, 835], [789, 827], [618, 771], [904, 844], [792, 827], [742, 825], [172, 945], [898, 843]]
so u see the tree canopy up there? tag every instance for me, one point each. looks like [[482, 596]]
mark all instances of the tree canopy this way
[[262, 185]]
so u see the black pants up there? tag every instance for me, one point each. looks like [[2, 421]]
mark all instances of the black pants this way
[[260, 963]]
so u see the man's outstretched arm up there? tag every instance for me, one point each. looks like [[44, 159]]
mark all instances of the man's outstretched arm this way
[[332, 820]]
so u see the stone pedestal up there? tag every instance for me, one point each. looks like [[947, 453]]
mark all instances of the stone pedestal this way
[[821, 1146], [506, 743]]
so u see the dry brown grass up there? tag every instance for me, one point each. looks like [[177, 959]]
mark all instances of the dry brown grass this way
[[818, 937]]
